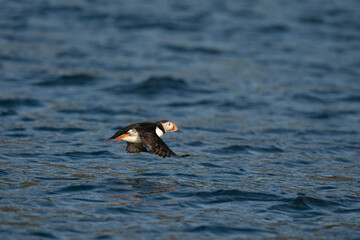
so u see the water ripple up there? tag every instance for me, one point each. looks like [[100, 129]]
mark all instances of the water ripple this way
[[164, 85], [80, 79], [311, 205], [247, 149], [80, 154], [75, 188], [11, 103], [123, 210], [220, 230], [220, 196], [61, 130]]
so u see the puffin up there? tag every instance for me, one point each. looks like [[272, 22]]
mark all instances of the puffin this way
[[139, 135]]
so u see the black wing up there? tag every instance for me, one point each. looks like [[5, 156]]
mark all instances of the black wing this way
[[155, 143], [119, 133], [126, 129], [135, 147]]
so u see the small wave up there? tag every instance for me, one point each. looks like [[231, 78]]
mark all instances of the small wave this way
[[311, 19], [154, 174], [242, 104], [225, 230], [79, 79], [18, 102], [62, 130], [137, 21], [117, 190], [353, 98], [195, 144], [24, 155], [236, 195], [164, 85], [210, 165], [186, 49], [17, 129], [325, 188], [57, 178], [15, 25], [281, 131], [307, 98], [96, 110], [61, 9], [245, 13], [192, 104], [327, 132], [3, 172], [103, 111], [222, 195], [43, 235], [274, 28], [186, 175], [79, 154], [7, 112], [115, 181], [88, 200], [205, 129], [123, 210], [324, 115], [304, 203], [246, 149], [157, 84], [75, 188], [72, 53], [346, 211]]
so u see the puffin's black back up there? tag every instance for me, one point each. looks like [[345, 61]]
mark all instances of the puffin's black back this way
[[149, 126]]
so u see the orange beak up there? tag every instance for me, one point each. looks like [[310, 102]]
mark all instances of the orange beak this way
[[175, 128]]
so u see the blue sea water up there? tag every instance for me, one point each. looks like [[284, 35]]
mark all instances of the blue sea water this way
[[266, 95]]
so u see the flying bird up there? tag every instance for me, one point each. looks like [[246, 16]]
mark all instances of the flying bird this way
[[140, 135]]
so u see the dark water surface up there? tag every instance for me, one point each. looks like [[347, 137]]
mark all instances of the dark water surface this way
[[266, 95]]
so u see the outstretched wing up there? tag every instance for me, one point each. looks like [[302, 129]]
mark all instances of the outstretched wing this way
[[155, 143], [118, 133], [126, 129], [135, 147]]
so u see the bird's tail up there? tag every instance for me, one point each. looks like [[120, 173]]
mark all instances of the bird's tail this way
[[108, 139]]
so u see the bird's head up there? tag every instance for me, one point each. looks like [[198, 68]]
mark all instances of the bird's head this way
[[168, 126]]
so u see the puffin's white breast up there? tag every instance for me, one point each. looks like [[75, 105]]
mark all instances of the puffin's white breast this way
[[159, 132]]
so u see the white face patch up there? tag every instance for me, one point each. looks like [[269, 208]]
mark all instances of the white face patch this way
[[159, 132], [167, 126]]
